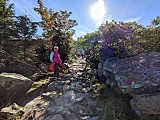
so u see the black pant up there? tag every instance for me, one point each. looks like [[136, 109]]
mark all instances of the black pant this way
[[56, 71]]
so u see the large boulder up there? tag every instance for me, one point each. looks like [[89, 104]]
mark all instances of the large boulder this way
[[138, 76], [10, 64], [135, 75], [13, 86], [146, 103]]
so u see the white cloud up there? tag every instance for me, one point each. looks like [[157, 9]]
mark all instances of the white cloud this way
[[26, 7], [81, 33], [133, 19], [74, 37]]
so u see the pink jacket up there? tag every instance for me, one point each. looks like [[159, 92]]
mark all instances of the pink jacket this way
[[56, 57]]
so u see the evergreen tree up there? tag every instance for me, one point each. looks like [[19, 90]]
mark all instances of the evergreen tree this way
[[26, 30], [7, 30]]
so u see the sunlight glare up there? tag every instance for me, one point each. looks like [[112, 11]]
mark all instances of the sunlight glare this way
[[98, 11]]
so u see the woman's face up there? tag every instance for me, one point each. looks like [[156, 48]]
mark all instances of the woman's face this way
[[56, 49]]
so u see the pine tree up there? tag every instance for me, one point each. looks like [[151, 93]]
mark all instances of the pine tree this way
[[6, 22]]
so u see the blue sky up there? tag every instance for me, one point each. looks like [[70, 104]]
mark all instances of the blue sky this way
[[91, 13]]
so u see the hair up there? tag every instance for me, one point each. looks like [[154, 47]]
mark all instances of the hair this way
[[55, 48]]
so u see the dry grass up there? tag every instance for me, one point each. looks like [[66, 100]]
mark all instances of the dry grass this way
[[36, 85]]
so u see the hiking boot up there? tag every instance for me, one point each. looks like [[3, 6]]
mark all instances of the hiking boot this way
[[54, 78], [58, 79]]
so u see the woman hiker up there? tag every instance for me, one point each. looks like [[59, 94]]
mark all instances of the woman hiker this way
[[55, 58]]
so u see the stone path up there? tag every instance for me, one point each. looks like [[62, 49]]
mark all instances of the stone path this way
[[70, 98]]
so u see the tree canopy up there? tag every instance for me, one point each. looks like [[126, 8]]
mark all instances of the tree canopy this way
[[57, 28], [121, 40]]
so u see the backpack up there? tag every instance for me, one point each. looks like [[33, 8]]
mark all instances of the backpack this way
[[51, 67]]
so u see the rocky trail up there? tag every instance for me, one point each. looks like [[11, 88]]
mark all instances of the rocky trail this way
[[71, 98]]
